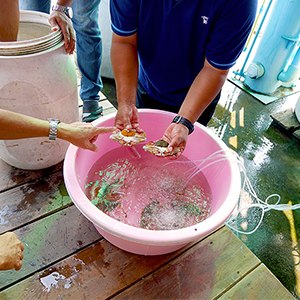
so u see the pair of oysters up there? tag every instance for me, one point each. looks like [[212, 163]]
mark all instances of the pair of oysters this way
[[132, 138]]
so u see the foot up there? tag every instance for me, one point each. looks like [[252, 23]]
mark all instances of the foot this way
[[90, 116]]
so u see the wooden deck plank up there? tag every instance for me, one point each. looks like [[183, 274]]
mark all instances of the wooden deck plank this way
[[49, 240], [96, 272], [11, 177], [102, 270], [203, 272], [32, 200], [259, 284]]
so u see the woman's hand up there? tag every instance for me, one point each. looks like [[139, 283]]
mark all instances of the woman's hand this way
[[82, 135]]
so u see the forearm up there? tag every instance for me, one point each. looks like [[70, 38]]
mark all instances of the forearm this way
[[65, 2], [125, 67], [18, 126], [9, 20], [204, 89]]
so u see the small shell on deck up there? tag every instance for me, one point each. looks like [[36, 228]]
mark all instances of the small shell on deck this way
[[159, 148], [128, 137]]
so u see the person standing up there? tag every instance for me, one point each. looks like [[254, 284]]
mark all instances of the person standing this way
[[85, 19], [175, 55]]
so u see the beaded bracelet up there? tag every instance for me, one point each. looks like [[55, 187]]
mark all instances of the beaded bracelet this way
[[188, 124]]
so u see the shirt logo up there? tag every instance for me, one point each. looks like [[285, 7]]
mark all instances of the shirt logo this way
[[205, 19]]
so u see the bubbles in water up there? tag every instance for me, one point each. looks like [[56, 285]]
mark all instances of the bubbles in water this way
[[147, 191]]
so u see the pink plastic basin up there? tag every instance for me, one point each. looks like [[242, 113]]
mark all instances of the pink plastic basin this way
[[223, 178]]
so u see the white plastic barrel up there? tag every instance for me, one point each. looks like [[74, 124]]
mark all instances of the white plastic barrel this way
[[37, 78]]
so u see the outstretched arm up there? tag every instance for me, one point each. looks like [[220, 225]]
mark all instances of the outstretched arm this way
[[17, 126]]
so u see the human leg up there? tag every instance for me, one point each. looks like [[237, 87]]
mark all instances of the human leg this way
[[9, 20], [89, 54], [36, 5]]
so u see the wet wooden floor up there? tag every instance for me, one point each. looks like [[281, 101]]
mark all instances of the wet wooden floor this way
[[66, 258]]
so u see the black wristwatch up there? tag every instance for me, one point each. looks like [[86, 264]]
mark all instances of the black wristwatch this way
[[188, 124], [65, 9]]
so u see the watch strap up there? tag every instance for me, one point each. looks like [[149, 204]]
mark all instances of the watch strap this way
[[53, 128], [187, 123], [65, 9]]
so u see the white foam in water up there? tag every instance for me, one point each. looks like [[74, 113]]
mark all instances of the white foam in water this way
[[146, 191]]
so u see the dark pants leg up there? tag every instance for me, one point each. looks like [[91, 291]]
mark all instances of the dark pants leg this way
[[143, 100]]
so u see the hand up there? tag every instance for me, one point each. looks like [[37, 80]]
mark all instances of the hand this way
[[11, 252], [127, 118], [82, 135], [58, 20], [176, 135]]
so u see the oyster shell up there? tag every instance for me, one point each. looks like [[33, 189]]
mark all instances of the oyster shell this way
[[128, 137], [159, 148]]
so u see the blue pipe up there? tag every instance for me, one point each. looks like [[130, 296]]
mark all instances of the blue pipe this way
[[241, 72], [292, 71]]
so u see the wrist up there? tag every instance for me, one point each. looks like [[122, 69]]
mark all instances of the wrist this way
[[185, 122], [65, 2], [62, 131], [67, 10], [127, 102]]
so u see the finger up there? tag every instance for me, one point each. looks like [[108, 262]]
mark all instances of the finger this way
[[53, 24], [64, 27], [94, 139], [55, 28], [22, 247], [71, 43], [139, 130], [179, 153], [122, 120], [128, 127], [18, 265], [94, 148], [102, 130]]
